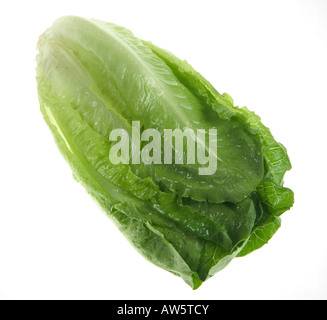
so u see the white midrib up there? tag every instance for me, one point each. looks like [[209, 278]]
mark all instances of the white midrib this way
[[171, 103]]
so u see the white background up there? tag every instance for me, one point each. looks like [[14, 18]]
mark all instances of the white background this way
[[55, 242]]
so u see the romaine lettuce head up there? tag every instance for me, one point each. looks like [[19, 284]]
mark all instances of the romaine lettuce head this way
[[94, 77]]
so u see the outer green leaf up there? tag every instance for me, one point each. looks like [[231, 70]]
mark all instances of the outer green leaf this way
[[274, 197]]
